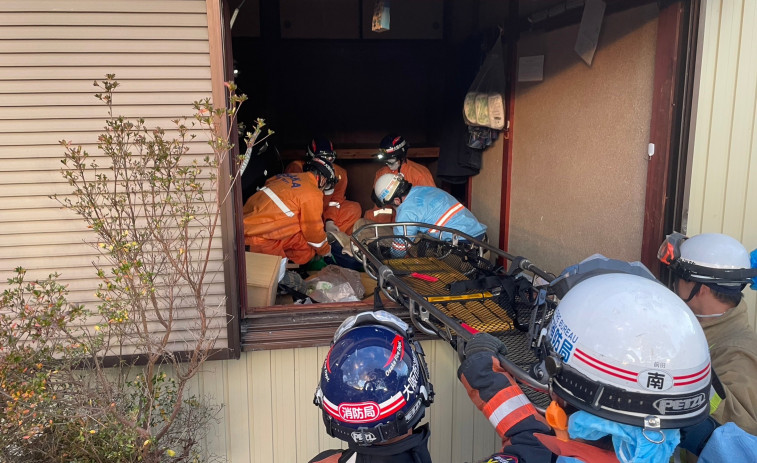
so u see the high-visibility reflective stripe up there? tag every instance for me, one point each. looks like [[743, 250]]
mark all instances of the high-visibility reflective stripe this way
[[399, 246], [277, 201], [511, 407], [715, 400], [318, 245], [447, 216], [334, 204], [386, 210]]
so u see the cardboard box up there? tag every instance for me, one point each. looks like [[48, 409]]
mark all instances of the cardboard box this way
[[262, 278]]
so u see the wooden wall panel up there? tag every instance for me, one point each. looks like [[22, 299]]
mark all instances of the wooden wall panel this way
[[580, 143], [723, 186], [50, 53]]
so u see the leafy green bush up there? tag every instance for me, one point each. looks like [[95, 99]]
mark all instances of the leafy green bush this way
[[107, 384]]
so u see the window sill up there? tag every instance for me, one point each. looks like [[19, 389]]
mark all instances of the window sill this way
[[297, 325]]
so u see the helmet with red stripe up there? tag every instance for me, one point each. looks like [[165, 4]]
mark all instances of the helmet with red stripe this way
[[626, 348], [374, 381]]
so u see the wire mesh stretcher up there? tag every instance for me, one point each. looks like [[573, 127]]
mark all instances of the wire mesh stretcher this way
[[452, 290]]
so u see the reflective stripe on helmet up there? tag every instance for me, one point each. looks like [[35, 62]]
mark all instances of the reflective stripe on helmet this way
[[277, 201]]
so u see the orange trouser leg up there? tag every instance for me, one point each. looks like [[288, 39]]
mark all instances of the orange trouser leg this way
[[294, 248], [345, 216], [380, 217]]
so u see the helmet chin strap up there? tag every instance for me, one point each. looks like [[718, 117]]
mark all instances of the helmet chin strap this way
[[694, 291]]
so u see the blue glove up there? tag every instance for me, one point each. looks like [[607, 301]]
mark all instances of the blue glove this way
[[629, 441]]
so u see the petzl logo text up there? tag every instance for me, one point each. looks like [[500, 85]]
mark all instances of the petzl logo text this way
[[679, 405]]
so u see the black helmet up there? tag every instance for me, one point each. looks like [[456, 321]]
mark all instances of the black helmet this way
[[323, 168], [321, 147], [374, 382], [392, 147]]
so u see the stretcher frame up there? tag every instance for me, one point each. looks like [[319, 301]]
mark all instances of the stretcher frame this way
[[430, 314]]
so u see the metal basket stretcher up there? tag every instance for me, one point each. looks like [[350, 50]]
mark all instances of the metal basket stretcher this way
[[453, 288]]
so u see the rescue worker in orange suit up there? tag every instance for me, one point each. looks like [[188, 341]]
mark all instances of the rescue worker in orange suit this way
[[393, 151], [337, 210], [284, 217]]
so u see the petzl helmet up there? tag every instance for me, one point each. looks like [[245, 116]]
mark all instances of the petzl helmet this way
[[374, 382], [321, 147], [388, 187], [627, 349], [392, 147], [708, 258], [323, 168]]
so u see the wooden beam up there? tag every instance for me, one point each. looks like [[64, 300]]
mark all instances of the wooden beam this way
[[507, 144], [364, 153], [662, 131]]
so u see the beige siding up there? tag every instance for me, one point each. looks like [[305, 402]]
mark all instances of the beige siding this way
[[723, 183], [269, 415], [50, 53]]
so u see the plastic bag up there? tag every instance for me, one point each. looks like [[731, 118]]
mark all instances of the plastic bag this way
[[335, 284], [484, 104]]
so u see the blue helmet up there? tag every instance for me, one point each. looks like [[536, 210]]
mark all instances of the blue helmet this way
[[374, 382], [321, 147]]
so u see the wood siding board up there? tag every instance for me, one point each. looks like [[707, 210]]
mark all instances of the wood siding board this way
[[104, 33], [307, 368], [703, 128], [284, 417], [463, 412], [261, 408], [111, 6], [214, 387], [719, 149], [735, 205], [99, 46], [98, 19], [125, 86], [241, 414], [37, 54], [440, 413], [90, 73]]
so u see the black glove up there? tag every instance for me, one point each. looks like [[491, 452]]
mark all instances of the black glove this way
[[694, 438], [484, 342]]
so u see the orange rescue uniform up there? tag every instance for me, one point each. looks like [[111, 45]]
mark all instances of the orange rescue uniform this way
[[336, 207], [416, 174], [284, 218]]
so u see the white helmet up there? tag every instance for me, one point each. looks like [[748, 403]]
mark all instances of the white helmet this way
[[388, 187], [711, 258], [625, 348]]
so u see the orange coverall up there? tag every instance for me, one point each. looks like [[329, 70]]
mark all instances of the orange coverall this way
[[336, 207], [416, 174], [294, 231]]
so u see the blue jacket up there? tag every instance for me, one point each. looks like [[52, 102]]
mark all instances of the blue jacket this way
[[431, 205]]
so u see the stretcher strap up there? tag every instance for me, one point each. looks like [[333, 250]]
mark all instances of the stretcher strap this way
[[277, 201]]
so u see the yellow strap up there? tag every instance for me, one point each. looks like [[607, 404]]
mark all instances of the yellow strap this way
[[462, 297]]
